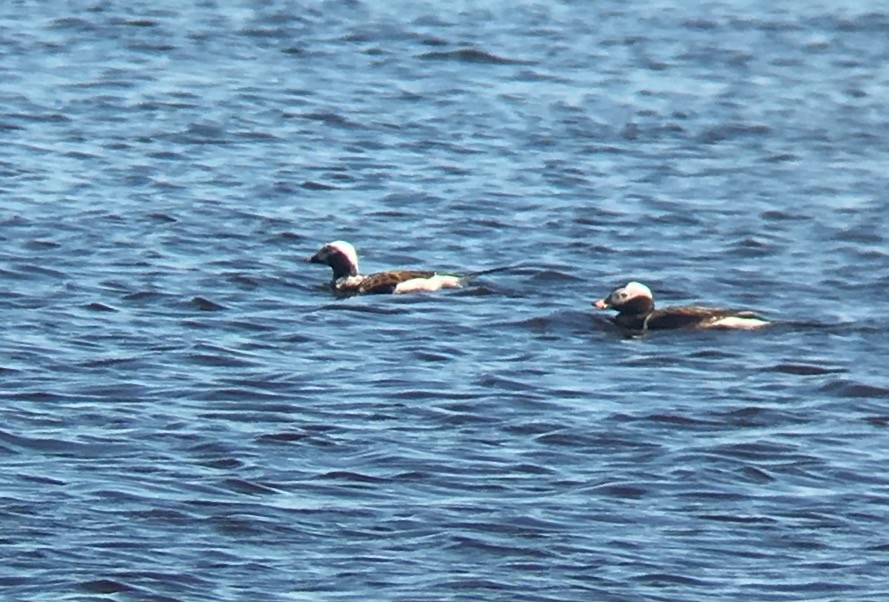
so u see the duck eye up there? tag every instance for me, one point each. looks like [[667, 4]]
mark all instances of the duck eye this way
[[622, 295]]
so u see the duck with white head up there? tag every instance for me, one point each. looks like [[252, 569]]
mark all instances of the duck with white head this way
[[634, 303], [347, 280]]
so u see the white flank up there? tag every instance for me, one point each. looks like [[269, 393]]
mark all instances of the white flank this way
[[738, 322], [415, 285]]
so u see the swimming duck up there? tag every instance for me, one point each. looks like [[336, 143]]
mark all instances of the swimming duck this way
[[635, 310], [347, 280]]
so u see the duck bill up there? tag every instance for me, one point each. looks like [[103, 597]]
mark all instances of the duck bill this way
[[313, 259], [601, 304]]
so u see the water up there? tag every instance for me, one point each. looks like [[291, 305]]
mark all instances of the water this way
[[187, 414]]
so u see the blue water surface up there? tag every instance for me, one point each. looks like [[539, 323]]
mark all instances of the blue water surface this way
[[188, 414]]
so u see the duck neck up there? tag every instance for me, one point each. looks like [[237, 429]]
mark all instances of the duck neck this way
[[632, 321], [635, 313], [342, 267]]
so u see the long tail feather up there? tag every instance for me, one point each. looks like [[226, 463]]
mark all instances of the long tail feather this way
[[471, 275]]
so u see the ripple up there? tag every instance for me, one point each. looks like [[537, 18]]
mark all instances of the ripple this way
[[349, 476], [204, 304], [105, 586], [847, 388], [169, 367], [101, 307], [804, 369]]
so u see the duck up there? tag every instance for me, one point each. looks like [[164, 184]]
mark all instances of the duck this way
[[347, 280], [634, 303]]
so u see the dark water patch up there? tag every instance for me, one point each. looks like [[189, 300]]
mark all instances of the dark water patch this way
[[534, 428], [683, 421], [781, 158], [362, 309], [222, 463], [745, 520], [879, 421], [715, 354], [860, 234], [146, 296], [252, 325], [602, 443], [729, 131], [351, 477], [111, 392], [43, 396], [331, 119], [755, 475], [491, 381], [58, 447], [118, 497], [204, 304], [553, 277], [247, 487], [670, 580], [313, 185], [457, 418], [427, 356], [100, 307], [848, 388], [158, 216], [804, 369], [166, 516], [416, 394], [752, 247], [283, 437], [219, 360], [105, 586], [108, 361], [620, 490], [41, 117], [74, 23], [141, 23], [42, 244], [872, 21], [165, 156], [757, 416], [255, 135], [469, 55], [235, 525], [247, 411], [42, 479], [28, 269], [473, 545], [706, 496], [201, 134], [531, 469], [761, 450]]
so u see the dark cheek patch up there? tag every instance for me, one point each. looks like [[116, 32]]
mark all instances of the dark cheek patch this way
[[636, 306], [340, 264]]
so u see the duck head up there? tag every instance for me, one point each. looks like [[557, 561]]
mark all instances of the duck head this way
[[340, 256], [633, 298]]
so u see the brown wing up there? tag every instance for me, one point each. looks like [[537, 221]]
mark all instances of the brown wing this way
[[385, 282], [692, 316]]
